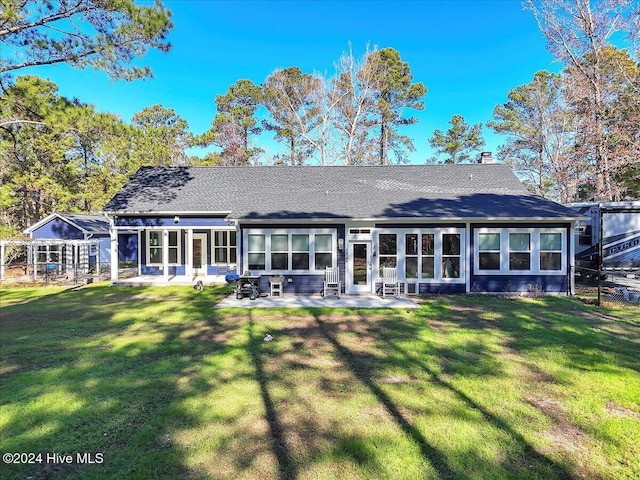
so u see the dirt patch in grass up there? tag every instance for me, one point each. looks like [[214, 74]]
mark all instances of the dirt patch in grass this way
[[615, 410], [566, 439]]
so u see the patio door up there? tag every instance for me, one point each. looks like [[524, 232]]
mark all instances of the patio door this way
[[359, 267], [199, 254]]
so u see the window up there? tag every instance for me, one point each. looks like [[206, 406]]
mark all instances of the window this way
[[48, 254], [428, 255], [388, 250], [173, 247], [296, 250], [42, 254], [519, 251], [503, 251], [323, 251], [489, 248], [451, 255], [550, 251], [155, 239], [257, 252], [411, 255], [155, 248], [280, 252], [224, 246], [300, 252]]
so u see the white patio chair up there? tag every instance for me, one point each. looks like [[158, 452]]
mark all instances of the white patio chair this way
[[332, 281], [390, 283]]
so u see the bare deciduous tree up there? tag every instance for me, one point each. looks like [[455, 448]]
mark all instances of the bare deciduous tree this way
[[577, 33]]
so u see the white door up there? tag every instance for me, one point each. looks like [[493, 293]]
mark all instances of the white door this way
[[199, 254], [359, 267]]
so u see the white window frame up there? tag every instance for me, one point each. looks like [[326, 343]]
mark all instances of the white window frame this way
[[534, 251], [161, 246], [541, 251], [438, 257], [228, 247], [311, 232]]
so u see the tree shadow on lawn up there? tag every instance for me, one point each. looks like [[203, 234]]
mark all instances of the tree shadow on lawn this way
[[388, 335], [71, 385], [589, 340]]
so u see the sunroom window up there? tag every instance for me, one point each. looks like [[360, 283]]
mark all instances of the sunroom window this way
[[428, 255], [451, 255], [155, 239], [411, 255], [388, 250]]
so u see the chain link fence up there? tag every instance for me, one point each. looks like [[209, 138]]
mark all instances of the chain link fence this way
[[22, 273], [614, 286]]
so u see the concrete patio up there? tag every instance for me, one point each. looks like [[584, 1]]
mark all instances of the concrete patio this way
[[315, 301]]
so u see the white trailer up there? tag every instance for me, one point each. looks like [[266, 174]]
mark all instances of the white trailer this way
[[611, 233]]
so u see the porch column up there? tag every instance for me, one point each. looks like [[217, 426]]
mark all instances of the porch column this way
[[141, 252], [467, 255], [113, 234], [188, 252], [165, 254], [34, 256]]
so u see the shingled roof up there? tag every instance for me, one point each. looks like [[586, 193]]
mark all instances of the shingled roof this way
[[473, 191]]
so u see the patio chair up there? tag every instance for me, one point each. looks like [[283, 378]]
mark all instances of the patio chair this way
[[390, 283], [332, 281]]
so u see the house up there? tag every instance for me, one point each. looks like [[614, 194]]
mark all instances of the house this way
[[446, 228], [72, 239]]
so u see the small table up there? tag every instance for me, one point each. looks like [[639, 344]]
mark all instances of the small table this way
[[248, 285]]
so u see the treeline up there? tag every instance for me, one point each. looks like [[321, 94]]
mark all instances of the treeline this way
[[570, 136]]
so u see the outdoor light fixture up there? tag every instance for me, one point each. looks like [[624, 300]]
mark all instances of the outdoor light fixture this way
[[176, 219], [341, 244]]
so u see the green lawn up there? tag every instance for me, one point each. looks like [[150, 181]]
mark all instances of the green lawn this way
[[155, 383]]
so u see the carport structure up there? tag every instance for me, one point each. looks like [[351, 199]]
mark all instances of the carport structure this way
[[62, 257]]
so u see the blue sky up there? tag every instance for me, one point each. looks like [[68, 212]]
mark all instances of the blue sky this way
[[468, 54]]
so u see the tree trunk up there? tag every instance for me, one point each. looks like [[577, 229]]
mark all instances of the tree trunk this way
[[384, 143]]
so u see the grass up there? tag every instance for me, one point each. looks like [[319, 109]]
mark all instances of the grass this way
[[467, 387]]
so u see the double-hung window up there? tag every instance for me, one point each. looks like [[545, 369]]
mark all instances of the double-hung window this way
[[517, 250], [489, 251], [299, 250], [550, 251], [257, 252], [323, 251], [280, 252]]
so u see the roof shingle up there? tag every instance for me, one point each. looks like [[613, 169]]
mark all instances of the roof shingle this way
[[346, 192]]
